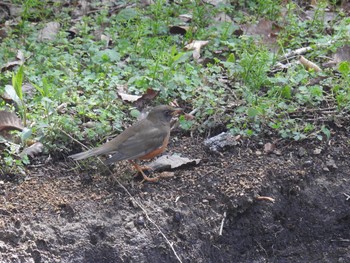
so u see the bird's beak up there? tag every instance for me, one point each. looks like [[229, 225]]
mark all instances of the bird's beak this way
[[177, 111]]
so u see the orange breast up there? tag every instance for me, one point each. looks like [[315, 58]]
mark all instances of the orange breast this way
[[157, 151]]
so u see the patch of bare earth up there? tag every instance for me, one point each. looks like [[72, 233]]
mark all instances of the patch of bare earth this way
[[59, 213]]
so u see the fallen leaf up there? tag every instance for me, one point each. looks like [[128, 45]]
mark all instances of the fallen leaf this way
[[128, 97], [32, 150], [138, 100], [167, 162], [223, 17], [266, 30], [308, 64], [196, 46], [179, 30], [216, 2], [342, 54], [185, 17], [10, 121], [20, 60], [269, 147], [49, 32]]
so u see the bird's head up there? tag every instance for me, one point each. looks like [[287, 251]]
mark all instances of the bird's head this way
[[163, 113]]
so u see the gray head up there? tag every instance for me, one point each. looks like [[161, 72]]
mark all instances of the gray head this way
[[163, 113]]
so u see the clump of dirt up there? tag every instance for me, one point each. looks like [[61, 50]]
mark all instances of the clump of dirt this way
[[219, 211]]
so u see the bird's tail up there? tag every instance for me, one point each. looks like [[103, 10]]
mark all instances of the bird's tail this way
[[87, 154]]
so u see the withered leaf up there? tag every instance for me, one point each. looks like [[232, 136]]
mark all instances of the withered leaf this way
[[269, 147], [10, 121], [32, 150], [49, 32], [167, 162], [196, 46]]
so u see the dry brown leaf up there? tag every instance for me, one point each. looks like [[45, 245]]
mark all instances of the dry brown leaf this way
[[223, 17], [137, 100], [49, 32], [179, 30], [10, 121], [269, 147], [20, 60], [196, 46], [342, 54], [129, 97], [166, 162], [185, 17], [148, 96], [308, 64], [265, 29], [32, 150], [216, 2], [313, 2], [81, 8]]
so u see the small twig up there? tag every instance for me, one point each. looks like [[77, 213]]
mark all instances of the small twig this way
[[347, 196], [266, 198], [296, 52], [222, 224], [340, 240], [83, 145], [135, 201], [303, 50], [148, 218]]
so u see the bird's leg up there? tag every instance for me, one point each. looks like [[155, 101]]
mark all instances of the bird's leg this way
[[145, 177]]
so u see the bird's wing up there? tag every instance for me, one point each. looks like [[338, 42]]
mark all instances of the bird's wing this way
[[143, 140]]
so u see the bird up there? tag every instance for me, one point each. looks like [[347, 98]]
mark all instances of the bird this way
[[144, 140]]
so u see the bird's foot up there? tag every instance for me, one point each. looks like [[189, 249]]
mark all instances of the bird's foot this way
[[145, 171]]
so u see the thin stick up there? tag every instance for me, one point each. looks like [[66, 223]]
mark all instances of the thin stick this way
[[222, 224], [137, 202], [347, 196], [81, 144], [266, 198], [147, 216]]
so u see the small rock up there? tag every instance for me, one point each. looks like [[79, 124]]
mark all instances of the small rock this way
[[177, 217], [307, 163], [317, 151], [221, 142], [325, 169], [277, 152], [258, 153], [331, 163], [269, 147], [302, 152], [36, 256], [140, 221], [130, 225]]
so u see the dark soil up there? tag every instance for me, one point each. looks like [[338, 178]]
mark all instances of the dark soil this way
[[60, 213]]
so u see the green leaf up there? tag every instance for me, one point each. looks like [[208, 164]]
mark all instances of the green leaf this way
[[286, 92], [9, 89], [252, 112], [344, 67], [326, 131], [231, 58], [135, 113], [17, 81], [26, 133]]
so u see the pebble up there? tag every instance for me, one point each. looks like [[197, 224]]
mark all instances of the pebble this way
[[140, 221]]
